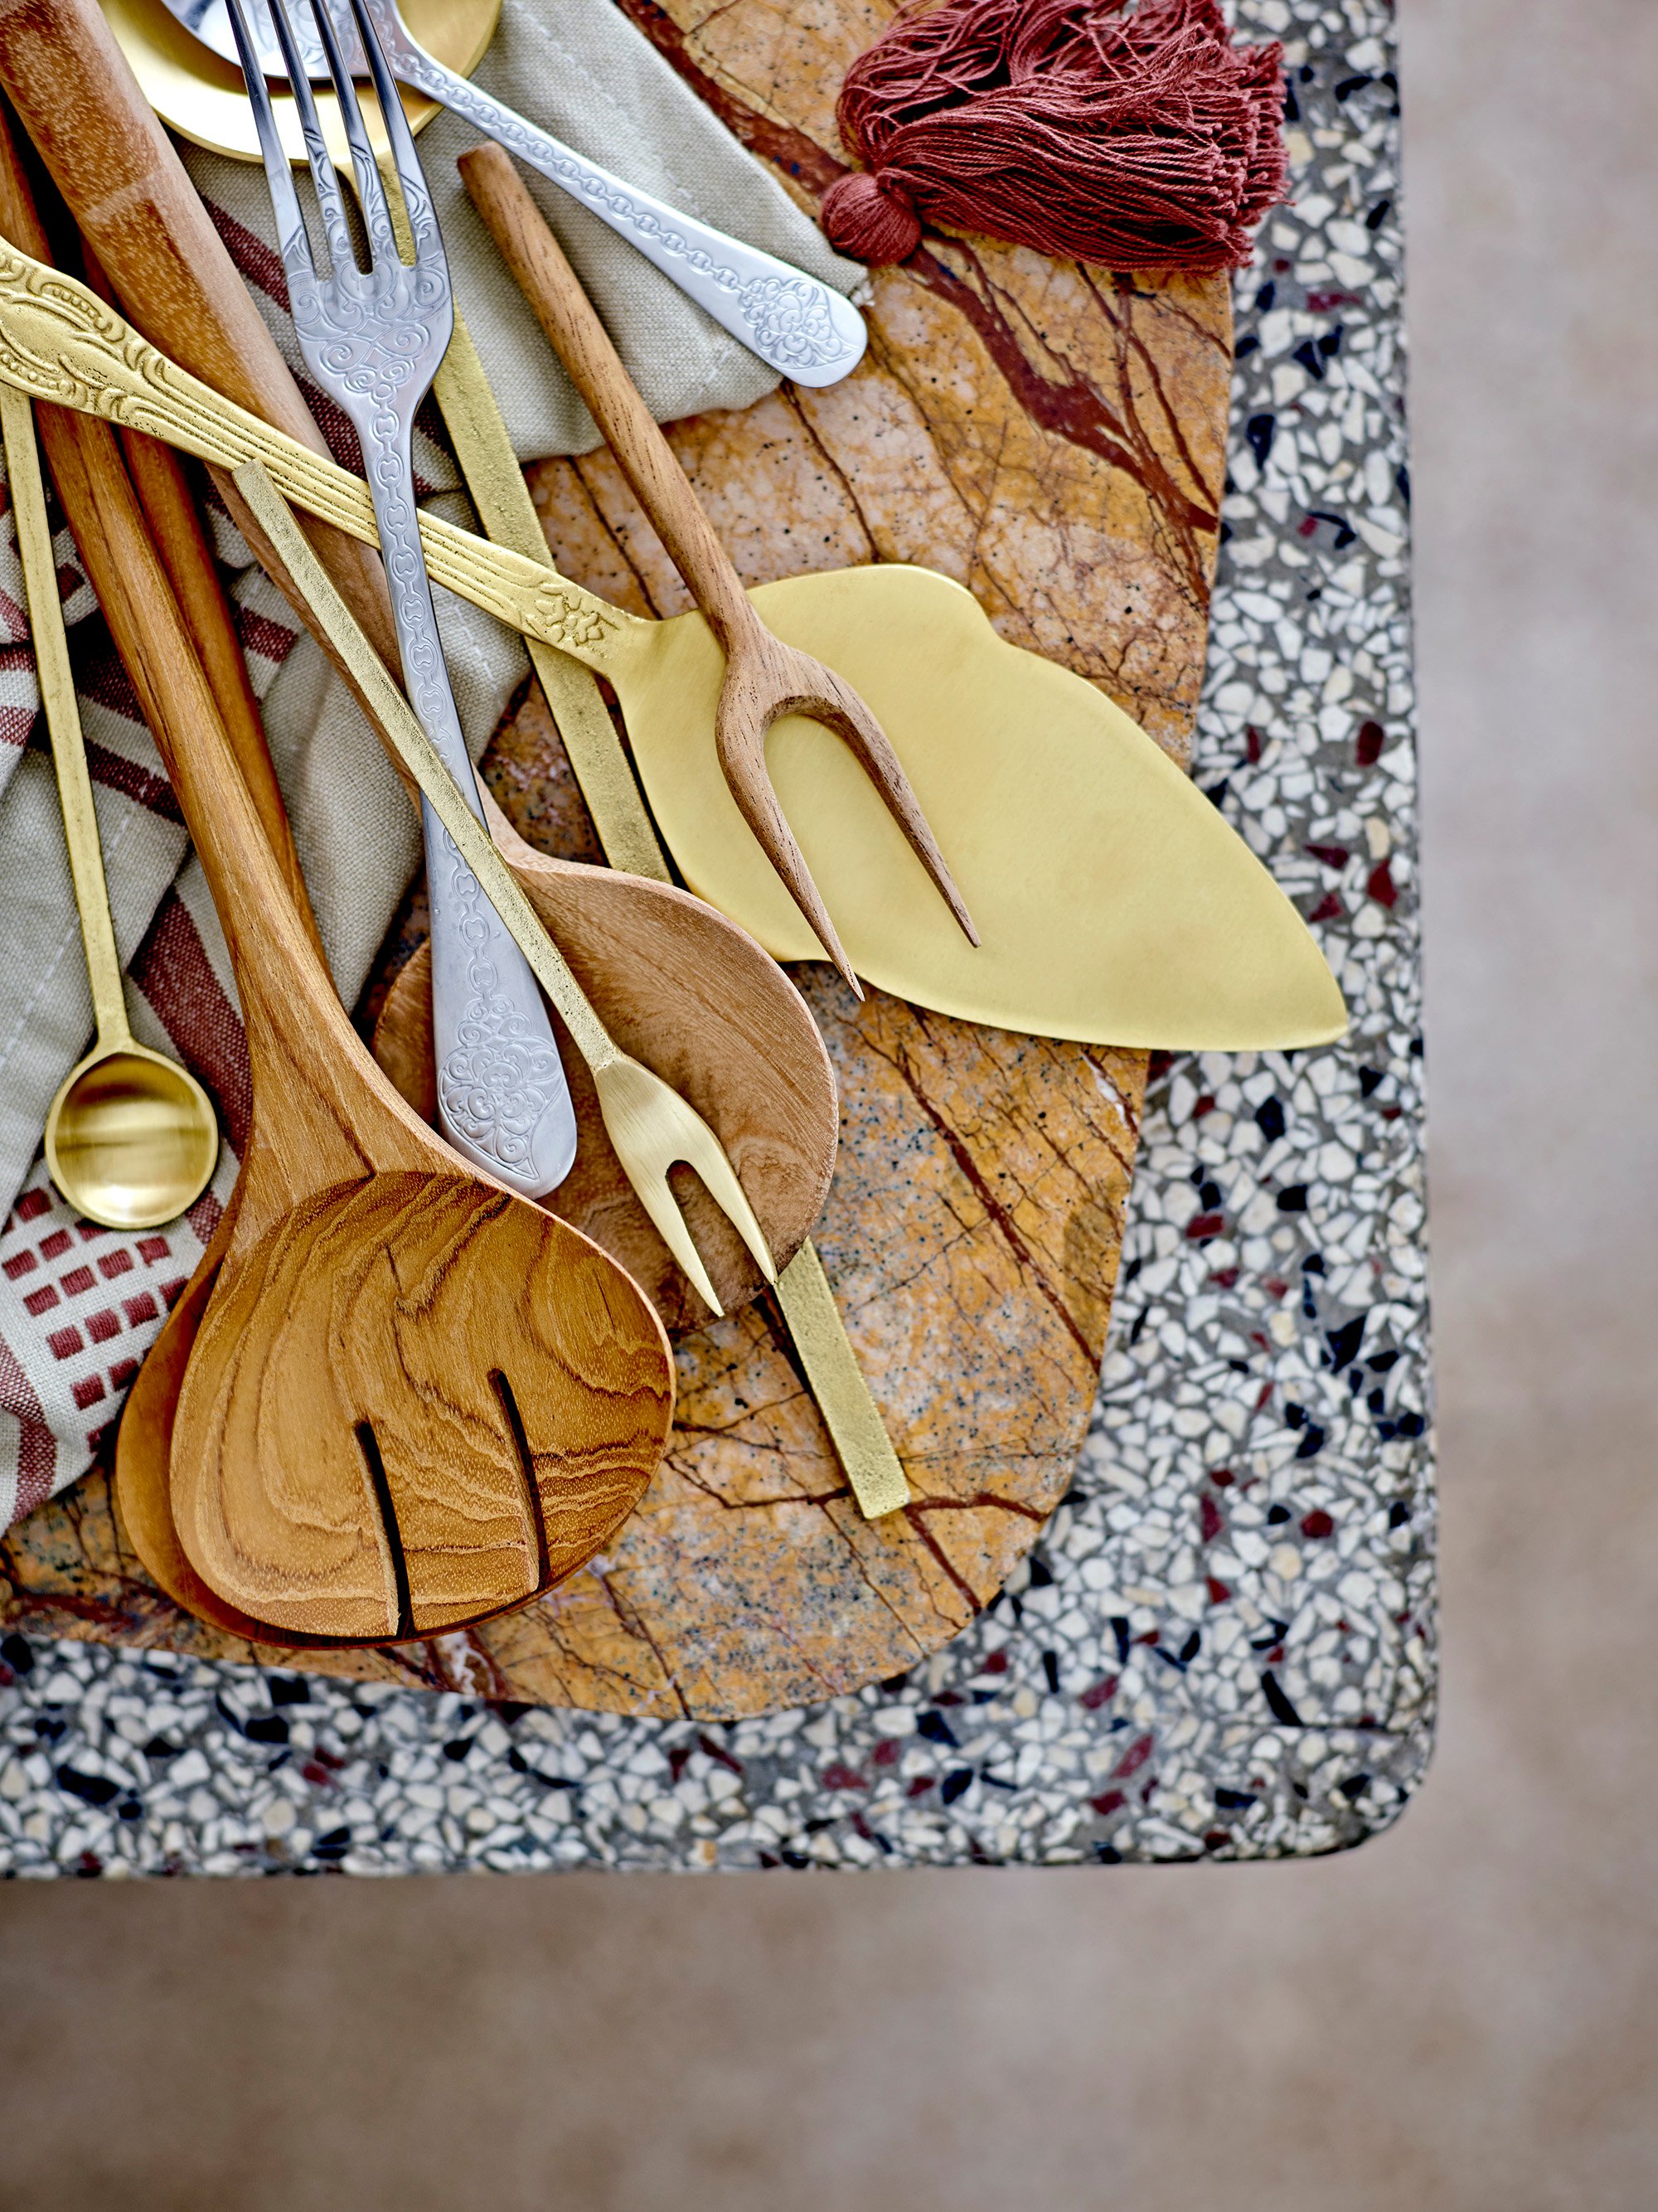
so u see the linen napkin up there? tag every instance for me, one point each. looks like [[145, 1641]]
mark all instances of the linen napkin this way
[[80, 1305]]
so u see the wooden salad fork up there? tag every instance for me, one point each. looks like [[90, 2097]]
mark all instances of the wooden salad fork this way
[[765, 678]]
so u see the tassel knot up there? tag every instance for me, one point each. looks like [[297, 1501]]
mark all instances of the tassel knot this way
[[870, 216], [1135, 135]]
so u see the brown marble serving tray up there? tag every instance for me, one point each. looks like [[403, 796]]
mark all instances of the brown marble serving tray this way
[[1055, 438]]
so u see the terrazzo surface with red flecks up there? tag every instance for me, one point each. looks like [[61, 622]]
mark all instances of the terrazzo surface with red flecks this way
[[1222, 1643]]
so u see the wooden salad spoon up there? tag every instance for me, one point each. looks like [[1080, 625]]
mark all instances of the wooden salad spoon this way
[[414, 1400]]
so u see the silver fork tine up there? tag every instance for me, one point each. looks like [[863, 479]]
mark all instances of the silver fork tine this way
[[371, 193], [416, 199], [331, 200], [291, 234]]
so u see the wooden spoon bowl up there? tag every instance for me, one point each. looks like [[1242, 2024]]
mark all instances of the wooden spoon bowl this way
[[414, 1400], [684, 989], [693, 997]]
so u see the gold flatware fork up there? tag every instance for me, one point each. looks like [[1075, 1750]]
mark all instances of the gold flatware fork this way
[[649, 1124]]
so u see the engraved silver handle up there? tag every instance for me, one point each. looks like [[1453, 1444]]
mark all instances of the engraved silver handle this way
[[374, 338], [804, 329], [503, 1099]]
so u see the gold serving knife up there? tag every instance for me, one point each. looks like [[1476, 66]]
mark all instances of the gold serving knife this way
[[1115, 905]]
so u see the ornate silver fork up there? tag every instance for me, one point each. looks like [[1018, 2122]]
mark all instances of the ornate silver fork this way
[[373, 340], [804, 328]]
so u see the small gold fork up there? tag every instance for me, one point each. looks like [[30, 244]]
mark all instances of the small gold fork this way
[[649, 1124]]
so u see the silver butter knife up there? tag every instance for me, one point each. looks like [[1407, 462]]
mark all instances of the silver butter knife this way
[[804, 329]]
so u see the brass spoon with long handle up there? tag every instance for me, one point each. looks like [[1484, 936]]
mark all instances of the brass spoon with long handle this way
[[132, 1138]]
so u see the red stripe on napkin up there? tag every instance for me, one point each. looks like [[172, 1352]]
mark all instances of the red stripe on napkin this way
[[132, 781], [173, 970], [37, 1448], [259, 264]]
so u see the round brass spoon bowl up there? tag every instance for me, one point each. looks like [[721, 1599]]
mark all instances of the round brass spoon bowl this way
[[132, 1138]]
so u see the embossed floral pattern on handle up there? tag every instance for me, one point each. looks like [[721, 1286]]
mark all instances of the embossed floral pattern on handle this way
[[804, 329]]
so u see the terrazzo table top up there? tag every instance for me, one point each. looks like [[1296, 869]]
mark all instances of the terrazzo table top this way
[[1223, 1644]]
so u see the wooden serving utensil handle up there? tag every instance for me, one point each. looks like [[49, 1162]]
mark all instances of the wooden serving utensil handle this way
[[189, 565], [122, 178], [581, 341], [301, 1013], [164, 493], [175, 524], [336, 1106]]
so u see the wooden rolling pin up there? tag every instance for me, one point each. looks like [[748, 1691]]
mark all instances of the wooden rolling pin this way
[[122, 181]]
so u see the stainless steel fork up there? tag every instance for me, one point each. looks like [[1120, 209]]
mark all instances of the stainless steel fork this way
[[373, 340], [802, 326]]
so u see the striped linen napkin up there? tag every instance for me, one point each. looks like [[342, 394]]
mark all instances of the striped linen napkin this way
[[81, 1305]]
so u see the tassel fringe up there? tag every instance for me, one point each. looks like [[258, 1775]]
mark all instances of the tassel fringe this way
[[1137, 138]]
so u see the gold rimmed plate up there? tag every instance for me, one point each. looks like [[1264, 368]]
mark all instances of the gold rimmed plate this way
[[202, 97]]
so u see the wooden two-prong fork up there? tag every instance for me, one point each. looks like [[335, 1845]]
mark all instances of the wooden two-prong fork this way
[[765, 678], [649, 1124]]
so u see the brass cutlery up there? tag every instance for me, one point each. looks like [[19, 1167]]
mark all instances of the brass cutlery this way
[[132, 1137]]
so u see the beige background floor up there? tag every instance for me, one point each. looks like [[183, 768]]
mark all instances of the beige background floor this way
[[1461, 2018]]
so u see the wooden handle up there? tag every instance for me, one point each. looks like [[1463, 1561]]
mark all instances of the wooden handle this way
[[175, 524], [164, 493], [177, 687], [117, 170], [133, 590], [125, 572], [571, 322]]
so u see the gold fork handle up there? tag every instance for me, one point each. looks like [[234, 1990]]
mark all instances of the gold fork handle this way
[[505, 508], [391, 713], [579, 339], [850, 1413], [508, 513]]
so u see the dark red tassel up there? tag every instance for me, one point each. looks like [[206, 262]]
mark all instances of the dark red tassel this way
[[1138, 140]]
